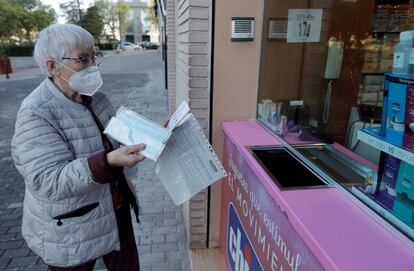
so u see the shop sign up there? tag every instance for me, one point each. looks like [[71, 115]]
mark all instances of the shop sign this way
[[255, 233], [304, 25], [240, 252]]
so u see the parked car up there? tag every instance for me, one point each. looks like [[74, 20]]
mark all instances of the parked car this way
[[126, 45], [149, 45]]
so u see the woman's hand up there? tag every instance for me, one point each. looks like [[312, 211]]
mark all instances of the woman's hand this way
[[125, 156]]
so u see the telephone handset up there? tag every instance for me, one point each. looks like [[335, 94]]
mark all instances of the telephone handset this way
[[334, 59], [332, 71]]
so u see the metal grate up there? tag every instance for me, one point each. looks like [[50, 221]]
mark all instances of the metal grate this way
[[277, 29], [243, 26], [242, 29]]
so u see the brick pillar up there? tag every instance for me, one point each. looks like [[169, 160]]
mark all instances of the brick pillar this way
[[189, 80]]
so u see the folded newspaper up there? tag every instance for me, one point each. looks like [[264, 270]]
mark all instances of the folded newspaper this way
[[185, 160]]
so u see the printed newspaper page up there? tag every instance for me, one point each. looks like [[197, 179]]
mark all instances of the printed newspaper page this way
[[178, 116], [188, 163]]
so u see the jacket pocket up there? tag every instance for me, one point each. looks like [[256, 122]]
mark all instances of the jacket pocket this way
[[76, 213]]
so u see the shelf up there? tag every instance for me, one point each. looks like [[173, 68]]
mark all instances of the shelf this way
[[372, 202], [386, 32], [399, 79], [373, 73], [394, 2], [371, 137]]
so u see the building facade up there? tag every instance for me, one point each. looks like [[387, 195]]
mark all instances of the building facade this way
[[138, 29]]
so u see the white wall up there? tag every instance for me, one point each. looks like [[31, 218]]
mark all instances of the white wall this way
[[22, 62]]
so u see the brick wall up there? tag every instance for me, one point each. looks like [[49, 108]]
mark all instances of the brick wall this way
[[171, 48], [189, 33]]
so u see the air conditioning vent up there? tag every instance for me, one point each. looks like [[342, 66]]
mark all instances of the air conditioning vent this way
[[242, 29], [277, 29]]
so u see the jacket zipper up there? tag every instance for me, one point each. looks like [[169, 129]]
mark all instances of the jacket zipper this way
[[76, 213]]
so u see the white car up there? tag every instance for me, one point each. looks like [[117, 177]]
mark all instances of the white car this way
[[126, 45]]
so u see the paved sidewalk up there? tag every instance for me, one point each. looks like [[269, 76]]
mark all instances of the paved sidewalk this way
[[22, 74], [160, 237]]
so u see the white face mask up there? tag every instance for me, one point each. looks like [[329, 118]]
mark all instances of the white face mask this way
[[86, 81]]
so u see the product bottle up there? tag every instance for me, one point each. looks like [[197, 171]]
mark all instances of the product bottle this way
[[273, 114], [403, 62]]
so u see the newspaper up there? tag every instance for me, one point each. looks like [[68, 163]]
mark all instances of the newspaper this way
[[185, 161]]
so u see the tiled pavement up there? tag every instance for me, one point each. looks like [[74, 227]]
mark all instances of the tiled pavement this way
[[139, 85]]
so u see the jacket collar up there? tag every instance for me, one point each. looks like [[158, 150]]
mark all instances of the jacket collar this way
[[56, 92]]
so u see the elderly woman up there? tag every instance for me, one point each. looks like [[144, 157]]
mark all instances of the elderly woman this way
[[77, 202]]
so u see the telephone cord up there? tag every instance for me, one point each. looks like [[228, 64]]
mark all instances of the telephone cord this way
[[327, 105]]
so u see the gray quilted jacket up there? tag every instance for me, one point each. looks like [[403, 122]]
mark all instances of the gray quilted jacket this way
[[68, 218]]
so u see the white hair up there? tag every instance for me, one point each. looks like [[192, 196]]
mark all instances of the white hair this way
[[60, 40]]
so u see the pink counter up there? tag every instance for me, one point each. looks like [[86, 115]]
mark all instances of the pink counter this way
[[264, 228]]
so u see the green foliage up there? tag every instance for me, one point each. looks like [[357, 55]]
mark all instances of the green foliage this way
[[122, 10], [103, 13], [106, 46], [109, 11], [151, 17], [72, 11], [8, 23], [93, 21], [21, 19]]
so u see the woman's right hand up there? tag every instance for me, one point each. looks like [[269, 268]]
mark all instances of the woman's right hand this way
[[125, 156]]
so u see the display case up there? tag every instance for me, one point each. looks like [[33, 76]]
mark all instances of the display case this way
[[392, 194], [299, 197], [278, 212], [336, 86]]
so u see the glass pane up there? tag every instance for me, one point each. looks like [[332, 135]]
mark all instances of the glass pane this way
[[322, 83]]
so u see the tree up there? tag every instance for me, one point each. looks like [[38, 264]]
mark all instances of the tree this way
[[124, 24], [109, 13], [23, 18], [93, 21], [114, 15], [43, 18], [73, 11], [8, 22], [34, 16], [151, 16]]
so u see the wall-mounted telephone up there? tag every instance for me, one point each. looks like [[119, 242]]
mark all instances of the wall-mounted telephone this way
[[332, 71], [334, 59]]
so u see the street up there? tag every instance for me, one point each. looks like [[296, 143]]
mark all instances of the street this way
[[132, 79]]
